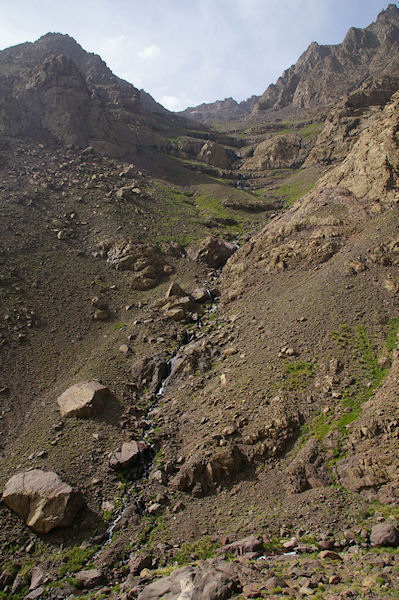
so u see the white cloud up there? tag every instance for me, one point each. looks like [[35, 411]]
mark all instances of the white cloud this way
[[150, 52], [176, 103]]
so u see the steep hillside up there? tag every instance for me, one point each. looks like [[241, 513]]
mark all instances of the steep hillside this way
[[198, 340]]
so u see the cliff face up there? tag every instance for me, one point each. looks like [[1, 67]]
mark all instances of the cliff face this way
[[53, 89], [324, 73]]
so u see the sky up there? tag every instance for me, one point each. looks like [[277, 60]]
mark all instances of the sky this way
[[185, 52]]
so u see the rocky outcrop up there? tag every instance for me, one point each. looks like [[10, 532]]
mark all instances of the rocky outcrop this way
[[372, 167], [42, 500], [279, 152], [83, 399], [213, 252], [384, 534], [308, 234], [209, 152], [201, 475], [347, 120], [309, 469], [148, 373], [323, 74], [216, 155], [144, 260]]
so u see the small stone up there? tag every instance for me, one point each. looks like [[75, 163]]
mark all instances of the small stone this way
[[154, 509], [329, 554], [124, 348]]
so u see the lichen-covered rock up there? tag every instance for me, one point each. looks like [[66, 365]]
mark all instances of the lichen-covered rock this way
[[42, 500], [83, 399]]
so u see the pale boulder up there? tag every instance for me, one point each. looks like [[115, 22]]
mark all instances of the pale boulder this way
[[83, 399], [42, 499]]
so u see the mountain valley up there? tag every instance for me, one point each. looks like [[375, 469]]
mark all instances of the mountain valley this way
[[199, 331]]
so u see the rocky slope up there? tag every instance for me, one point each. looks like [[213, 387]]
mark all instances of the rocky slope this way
[[197, 389]]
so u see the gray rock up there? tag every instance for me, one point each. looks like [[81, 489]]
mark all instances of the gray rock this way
[[244, 546], [213, 252], [140, 561]]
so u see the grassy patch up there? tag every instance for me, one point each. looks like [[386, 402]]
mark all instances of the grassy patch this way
[[201, 549], [290, 192], [368, 376], [74, 559], [300, 374], [311, 130]]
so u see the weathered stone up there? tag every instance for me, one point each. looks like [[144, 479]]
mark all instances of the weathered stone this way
[[42, 500], [101, 315], [128, 455], [99, 302], [213, 252], [207, 582], [148, 373], [329, 554], [83, 399], [275, 581], [384, 534], [90, 578], [155, 509], [204, 474], [140, 561], [244, 546], [201, 295], [37, 578]]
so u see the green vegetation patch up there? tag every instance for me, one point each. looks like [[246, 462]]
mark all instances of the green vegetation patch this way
[[74, 559], [201, 549], [300, 374], [368, 376], [290, 192]]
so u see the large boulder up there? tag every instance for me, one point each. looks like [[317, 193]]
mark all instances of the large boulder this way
[[42, 500], [83, 399], [384, 534], [213, 252], [129, 455], [205, 582]]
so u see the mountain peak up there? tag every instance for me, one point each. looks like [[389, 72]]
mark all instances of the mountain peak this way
[[389, 13]]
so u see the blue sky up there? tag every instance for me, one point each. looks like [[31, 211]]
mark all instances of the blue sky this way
[[184, 52]]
